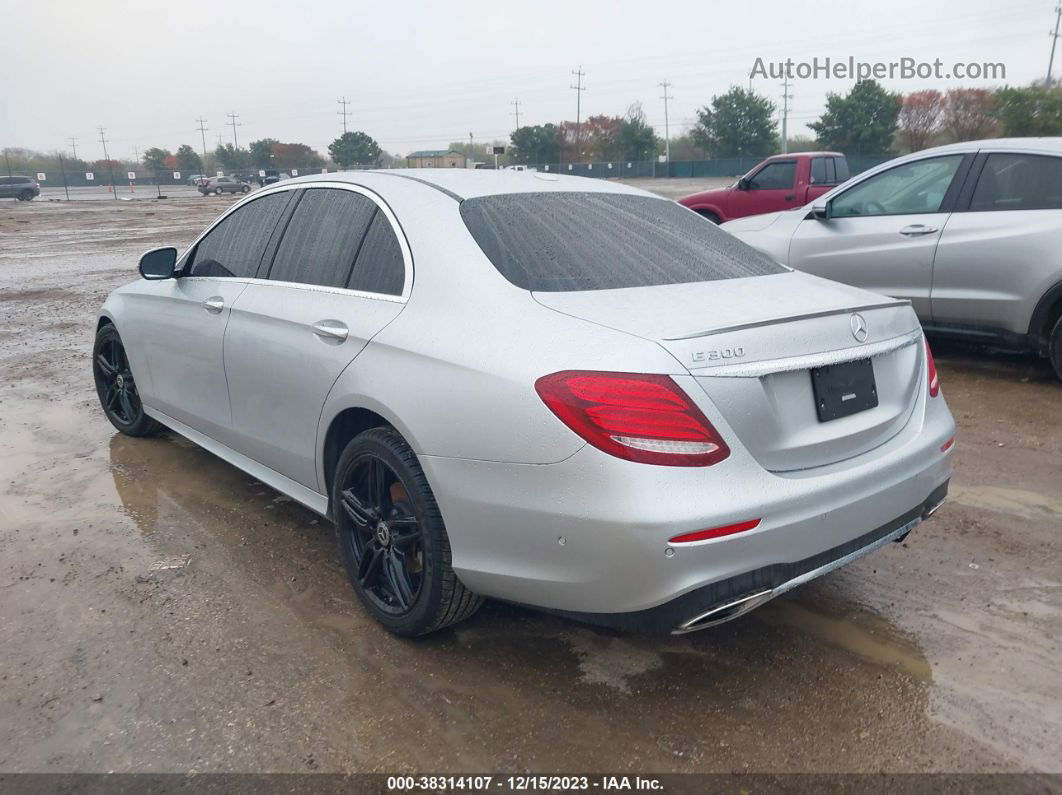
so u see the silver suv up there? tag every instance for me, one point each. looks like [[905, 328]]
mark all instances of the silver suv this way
[[22, 188], [970, 233]]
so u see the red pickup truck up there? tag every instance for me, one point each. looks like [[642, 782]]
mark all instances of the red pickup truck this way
[[778, 183]]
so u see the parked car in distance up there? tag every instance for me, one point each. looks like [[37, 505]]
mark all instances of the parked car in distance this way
[[562, 392], [23, 189], [778, 183], [220, 185], [970, 234], [195, 179], [272, 176]]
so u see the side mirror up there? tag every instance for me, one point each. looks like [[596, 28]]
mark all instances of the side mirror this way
[[743, 184], [158, 263], [821, 210]]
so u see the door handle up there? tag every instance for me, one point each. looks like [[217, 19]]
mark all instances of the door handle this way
[[917, 230], [331, 329], [214, 303]]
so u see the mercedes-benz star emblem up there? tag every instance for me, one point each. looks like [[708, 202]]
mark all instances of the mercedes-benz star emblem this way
[[859, 328], [383, 534]]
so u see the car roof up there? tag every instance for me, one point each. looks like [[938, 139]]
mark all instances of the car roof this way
[[790, 155], [1049, 144], [468, 183]]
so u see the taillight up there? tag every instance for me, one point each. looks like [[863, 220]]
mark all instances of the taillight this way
[[934, 380], [644, 418]]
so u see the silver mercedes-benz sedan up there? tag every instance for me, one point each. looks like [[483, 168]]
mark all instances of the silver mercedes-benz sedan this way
[[561, 392]]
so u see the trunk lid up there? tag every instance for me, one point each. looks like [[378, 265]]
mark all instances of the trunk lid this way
[[752, 343]]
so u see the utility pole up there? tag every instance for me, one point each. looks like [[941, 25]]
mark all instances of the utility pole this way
[[344, 113], [234, 124], [578, 88], [202, 133], [110, 166], [73, 145], [1054, 41], [786, 96], [516, 113], [667, 130], [136, 155]]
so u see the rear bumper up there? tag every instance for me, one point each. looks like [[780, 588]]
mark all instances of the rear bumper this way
[[725, 600], [590, 534]]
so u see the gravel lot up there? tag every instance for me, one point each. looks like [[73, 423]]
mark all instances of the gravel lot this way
[[161, 611]]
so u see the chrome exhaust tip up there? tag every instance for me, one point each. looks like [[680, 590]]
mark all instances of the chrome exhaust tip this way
[[723, 613]]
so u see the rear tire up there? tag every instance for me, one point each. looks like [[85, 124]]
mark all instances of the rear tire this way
[[116, 386], [392, 540], [217, 191], [245, 189], [1054, 348], [26, 196]]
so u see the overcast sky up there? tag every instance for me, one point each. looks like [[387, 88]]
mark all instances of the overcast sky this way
[[422, 74]]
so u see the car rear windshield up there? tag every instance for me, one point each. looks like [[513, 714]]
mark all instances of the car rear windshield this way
[[556, 242]]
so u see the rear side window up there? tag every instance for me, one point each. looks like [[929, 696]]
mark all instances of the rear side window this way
[[235, 246], [774, 176], [843, 174], [554, 242], [379, 267], [1019, 182], [322, 239]]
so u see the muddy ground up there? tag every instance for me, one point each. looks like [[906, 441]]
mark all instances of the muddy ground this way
[[162, 611]]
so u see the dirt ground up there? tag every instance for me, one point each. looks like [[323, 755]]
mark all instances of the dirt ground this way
[[162, 611]]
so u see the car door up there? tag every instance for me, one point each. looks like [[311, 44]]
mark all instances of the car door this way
[[340, 273], [6, 191], [179, 324], [882, 232], [769, 189], [1002, 247]]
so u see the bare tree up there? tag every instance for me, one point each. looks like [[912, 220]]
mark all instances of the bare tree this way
[[968, 114], [920, 118]]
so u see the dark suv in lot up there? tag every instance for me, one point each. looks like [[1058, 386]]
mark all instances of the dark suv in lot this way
[[22, 188]]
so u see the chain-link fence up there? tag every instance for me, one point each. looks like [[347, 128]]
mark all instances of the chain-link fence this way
[[689, 169]]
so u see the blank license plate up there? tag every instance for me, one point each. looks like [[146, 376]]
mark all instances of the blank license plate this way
[[844, 389]]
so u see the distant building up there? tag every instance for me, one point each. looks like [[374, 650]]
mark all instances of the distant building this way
[[435, 158]]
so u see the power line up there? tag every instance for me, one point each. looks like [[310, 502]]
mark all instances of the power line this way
[[578, 88], [73, 145], [667, 130], [786, 96], [516, 104], [344, 113], [202, 133], [1054, 41], [234, 124]]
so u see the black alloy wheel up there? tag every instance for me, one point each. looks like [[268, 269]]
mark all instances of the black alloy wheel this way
[[392, 539], [116, 385]]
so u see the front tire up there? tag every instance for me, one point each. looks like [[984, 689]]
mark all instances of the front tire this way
[[392, 539], [116, 386], [1054, 348], [245, 189], [708, 215], [26, 196]]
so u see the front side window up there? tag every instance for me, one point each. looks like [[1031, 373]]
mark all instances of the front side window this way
[[235, 246], [1019, 182], [778, 175], [555, 242], [912, 188], [322, 239]]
